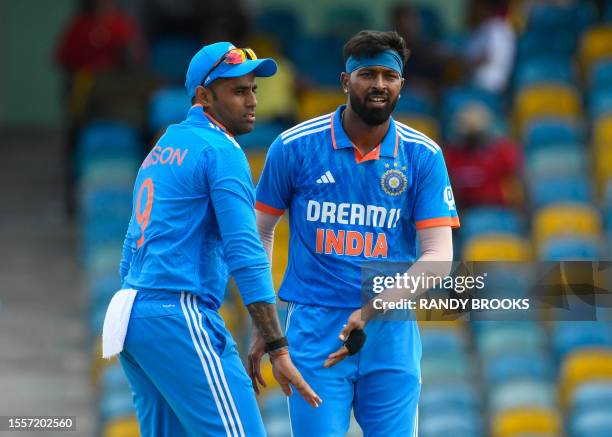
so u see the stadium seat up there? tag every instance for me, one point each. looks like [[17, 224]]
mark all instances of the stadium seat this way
[[571, 249], [413, 102], [496, 338], [282, 23], [591, 396], [448, 397], [595, 44], [554, 189], [601, 75], [108, 173], [537, 43], [448, 367], [596, 423], [257, 160], [114, 405], [522, 393], [457, 98], [345, 21], [262, 136], [423, 123], [600, 103], [550, 18], [458, 423], [545, 101], [122, 427], [318, 59], [114, 380], [117, 202], [569, 337], [526, 420], [490, 219], [170, 57], [602, 131], [572, 219], [602, 161], [442, 341], [518, 365], [566, 160], [318, 102], [167, 106], [551, 132], [582, 366], [537, 71], [106, 139], [496, 247]]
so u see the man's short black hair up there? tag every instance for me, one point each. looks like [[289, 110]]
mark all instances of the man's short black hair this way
[[369, 43]]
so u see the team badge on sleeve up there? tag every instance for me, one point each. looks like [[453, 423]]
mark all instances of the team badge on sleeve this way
[[449, 199], [393, 182]]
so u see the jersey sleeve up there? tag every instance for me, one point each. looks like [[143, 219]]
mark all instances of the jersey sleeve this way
[[275, 185], [127, 254], [232, 194], [434, 203]]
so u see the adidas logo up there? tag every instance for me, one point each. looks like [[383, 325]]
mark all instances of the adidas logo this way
[[327, 178]]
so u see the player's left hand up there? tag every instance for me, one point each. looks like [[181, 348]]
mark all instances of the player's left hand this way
[[355, 321], [256, 352]]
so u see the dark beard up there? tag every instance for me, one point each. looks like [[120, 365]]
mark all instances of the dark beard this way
[[373, 116]]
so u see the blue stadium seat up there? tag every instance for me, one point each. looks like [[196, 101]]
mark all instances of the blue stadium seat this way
[[262, 136], [552, 189], [319, 59], [494, 338], [522, 393], [117, 173], [448, 397], [600, 103], [597, 423], [543, 70], [552, 18], [167, 106], [102, 230], [431, 25], [457, 98], [490, 219], [458, 423], [170, 57], [275, 404], [601, 75], [537, 43], [107, 139], [282, 24], [413, 102], [116, 404], [104, 200], [570, 336], [552, 132], [518, 365], [442, 341], [571, 249], [114, 380], [592, 395], [565, 160], [448, 367]]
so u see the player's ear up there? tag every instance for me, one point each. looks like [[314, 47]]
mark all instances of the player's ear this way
[[344, 81], [203, 96]]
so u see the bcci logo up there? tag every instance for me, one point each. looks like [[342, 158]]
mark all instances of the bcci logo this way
[[449, 199], [393, 182]]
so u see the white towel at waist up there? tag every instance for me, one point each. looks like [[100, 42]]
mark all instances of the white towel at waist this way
[[116, 322]]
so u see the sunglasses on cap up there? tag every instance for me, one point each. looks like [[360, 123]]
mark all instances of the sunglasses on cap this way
[[231, 57]]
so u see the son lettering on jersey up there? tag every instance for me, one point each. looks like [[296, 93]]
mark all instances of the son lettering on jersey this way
[[351, 242], [165, 156]]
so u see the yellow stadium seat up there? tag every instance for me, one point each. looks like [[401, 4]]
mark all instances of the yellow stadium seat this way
[[602, 131], [545, 101], [99, 363], [596, 43], [317, 102], [530, 421], [423, 123], [566, 219], [232, 318], [281, 251], [584, 365], [124, 427], [257, 160], [496, 247]]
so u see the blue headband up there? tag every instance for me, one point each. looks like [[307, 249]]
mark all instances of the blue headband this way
[[389, 58]]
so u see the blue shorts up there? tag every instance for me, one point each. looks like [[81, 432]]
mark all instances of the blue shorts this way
[[381, 383], [185, 373]]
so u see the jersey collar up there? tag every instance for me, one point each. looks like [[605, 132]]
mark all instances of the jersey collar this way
[[340, 140], [197, 115]]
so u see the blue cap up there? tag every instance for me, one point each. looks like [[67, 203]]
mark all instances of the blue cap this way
[[208, 55]]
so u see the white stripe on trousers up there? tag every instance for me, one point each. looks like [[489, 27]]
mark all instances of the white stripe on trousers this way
[[220, 370]]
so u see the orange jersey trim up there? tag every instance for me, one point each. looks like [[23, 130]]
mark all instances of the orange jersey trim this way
[[453, 222], [211, 118], [373, 154], [259, 206]]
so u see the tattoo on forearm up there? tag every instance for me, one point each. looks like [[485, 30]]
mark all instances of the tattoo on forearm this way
[[266, 320]]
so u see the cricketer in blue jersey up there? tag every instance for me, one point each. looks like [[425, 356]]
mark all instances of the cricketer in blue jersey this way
[[359, 187], [193, 223]]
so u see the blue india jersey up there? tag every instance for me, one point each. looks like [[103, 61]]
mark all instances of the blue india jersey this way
[[346, 209], [193, 221]]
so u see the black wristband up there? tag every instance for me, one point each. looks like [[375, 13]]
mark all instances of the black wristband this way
[[355, 341], [277, 344]]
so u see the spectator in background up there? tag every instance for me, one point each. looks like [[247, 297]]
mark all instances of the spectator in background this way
[[425, 67], [489, 54], [484, 168], [97, 49]]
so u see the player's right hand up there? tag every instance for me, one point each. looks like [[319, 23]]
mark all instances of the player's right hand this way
[[287, 374]]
